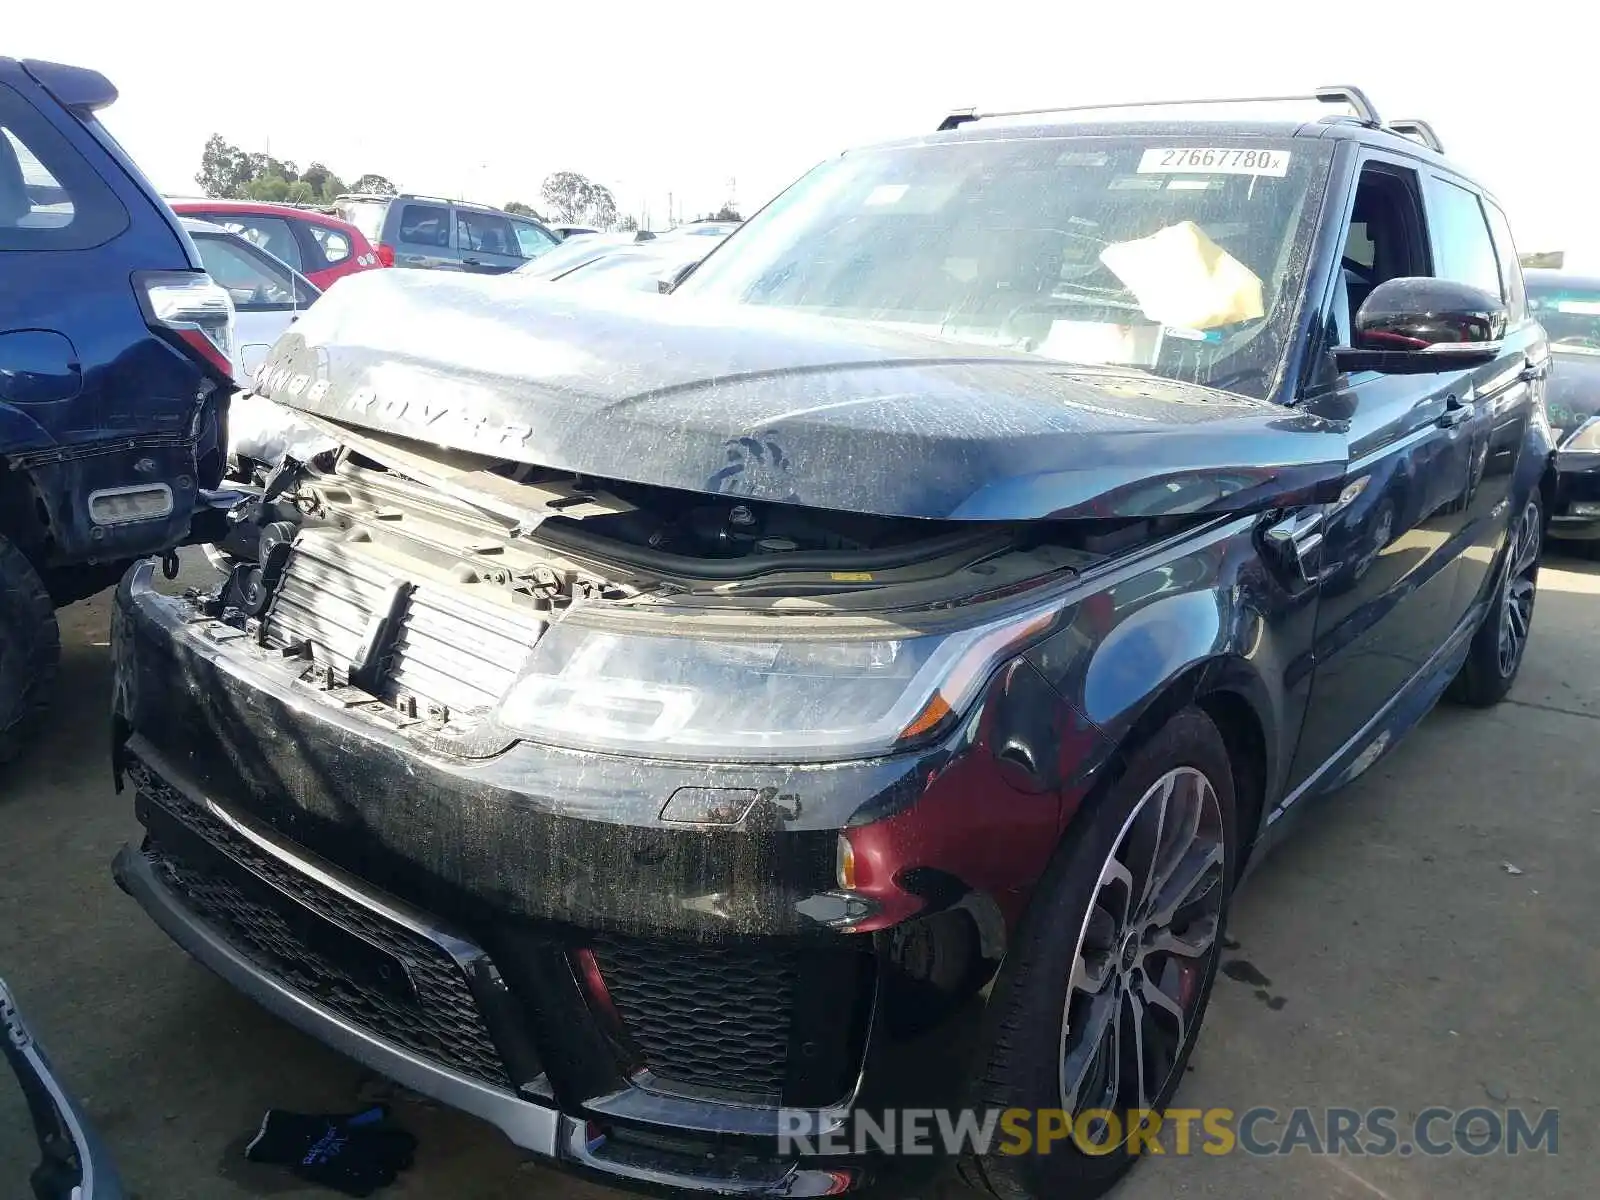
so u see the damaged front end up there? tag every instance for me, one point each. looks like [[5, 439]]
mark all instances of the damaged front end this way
[[628, 814]]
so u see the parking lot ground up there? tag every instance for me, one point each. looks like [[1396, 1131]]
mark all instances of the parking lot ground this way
[[1386, 956]]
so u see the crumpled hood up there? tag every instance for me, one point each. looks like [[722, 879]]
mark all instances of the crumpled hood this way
[[776, 406], [1572, 394]]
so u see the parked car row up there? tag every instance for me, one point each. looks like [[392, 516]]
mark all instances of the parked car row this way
[[321, 247]]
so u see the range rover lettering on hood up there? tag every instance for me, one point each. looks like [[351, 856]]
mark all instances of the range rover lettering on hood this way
[[784, 407]]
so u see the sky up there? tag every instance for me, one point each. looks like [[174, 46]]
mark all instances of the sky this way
[[707, 103]]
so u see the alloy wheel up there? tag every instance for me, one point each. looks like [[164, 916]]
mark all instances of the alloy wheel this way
[[1144, 953], [1518, 592]]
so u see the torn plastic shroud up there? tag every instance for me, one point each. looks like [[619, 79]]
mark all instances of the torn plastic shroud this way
[[778, 406]]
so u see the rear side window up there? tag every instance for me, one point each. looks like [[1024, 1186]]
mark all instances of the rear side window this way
[[1510, 266], [425, 225], [485, 233], [256, 283], [334, 245], [1463, 249], [50, 197], [271, 234]]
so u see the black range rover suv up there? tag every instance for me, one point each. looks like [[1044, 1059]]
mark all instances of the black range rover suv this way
[[858, 678]]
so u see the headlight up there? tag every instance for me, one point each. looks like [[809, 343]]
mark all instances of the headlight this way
[[1587, 439], [765, 700]]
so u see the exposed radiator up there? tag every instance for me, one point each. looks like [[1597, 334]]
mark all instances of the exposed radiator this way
[[447, 650]]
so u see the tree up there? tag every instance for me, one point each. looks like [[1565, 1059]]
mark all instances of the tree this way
[[228, 172], [567, 194], [324, 184], [602, 210], [627, 225], [575, 200], [727, 213], [519, 209], [272, 188], [375, 184], [225, 170]]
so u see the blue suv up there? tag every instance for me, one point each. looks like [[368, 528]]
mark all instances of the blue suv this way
[[115, 351]]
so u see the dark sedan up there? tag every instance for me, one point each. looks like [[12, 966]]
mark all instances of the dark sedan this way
[[1568, 306]]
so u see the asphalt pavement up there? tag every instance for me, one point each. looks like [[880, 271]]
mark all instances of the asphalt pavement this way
[[1426, 939]]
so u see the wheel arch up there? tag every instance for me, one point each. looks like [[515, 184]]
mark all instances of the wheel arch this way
[[1227, 689]]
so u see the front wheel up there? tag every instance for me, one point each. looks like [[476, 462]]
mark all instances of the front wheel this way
[[1498, 646], [1098, 1005]]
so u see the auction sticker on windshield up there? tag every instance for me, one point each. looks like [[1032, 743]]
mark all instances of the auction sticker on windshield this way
[[1201, 160]]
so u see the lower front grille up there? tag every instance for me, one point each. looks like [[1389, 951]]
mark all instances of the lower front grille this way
[[374, 973], [709, 1017]]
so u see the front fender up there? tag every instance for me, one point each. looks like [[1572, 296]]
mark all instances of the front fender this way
[[1201, 615]]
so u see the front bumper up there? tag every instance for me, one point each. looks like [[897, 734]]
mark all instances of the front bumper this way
[[524, 938], [1575, 515]]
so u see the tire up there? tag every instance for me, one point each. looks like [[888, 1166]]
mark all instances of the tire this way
[[1035, 1053], [1491, 666], [30, 648]]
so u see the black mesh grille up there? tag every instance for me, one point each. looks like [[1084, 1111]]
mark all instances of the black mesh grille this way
[[711, 1017], [440, 1020]]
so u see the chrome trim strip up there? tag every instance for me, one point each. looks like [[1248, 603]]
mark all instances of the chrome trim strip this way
[[658, 1169], [97, 1173]]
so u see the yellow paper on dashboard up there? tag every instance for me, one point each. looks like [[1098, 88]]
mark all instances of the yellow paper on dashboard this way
[[1182, 278]]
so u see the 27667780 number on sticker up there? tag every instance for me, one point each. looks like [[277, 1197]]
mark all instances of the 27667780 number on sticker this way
[[1202, 160]]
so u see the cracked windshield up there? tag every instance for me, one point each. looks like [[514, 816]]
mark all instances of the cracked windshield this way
[[1171, 257]]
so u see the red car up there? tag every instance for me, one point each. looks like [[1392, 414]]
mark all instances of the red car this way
[[320, 247]]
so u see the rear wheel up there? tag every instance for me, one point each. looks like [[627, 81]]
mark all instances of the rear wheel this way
[[1100, 1002], [30, 647], [1501, 640]]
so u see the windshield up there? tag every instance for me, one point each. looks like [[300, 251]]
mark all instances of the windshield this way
[[635, 268], [1569, 310], [1174, 256]]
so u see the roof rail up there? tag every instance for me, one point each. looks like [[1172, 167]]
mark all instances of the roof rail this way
[[1412, 127], [1354, 97]]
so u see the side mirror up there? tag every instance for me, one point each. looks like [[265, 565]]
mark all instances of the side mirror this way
[[1419, 326]]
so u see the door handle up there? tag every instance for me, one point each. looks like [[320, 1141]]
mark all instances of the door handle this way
[[1534, 371], [471, 262], [1456, 412]]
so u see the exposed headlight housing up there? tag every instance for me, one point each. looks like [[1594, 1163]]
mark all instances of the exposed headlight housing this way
[[774, 699]]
